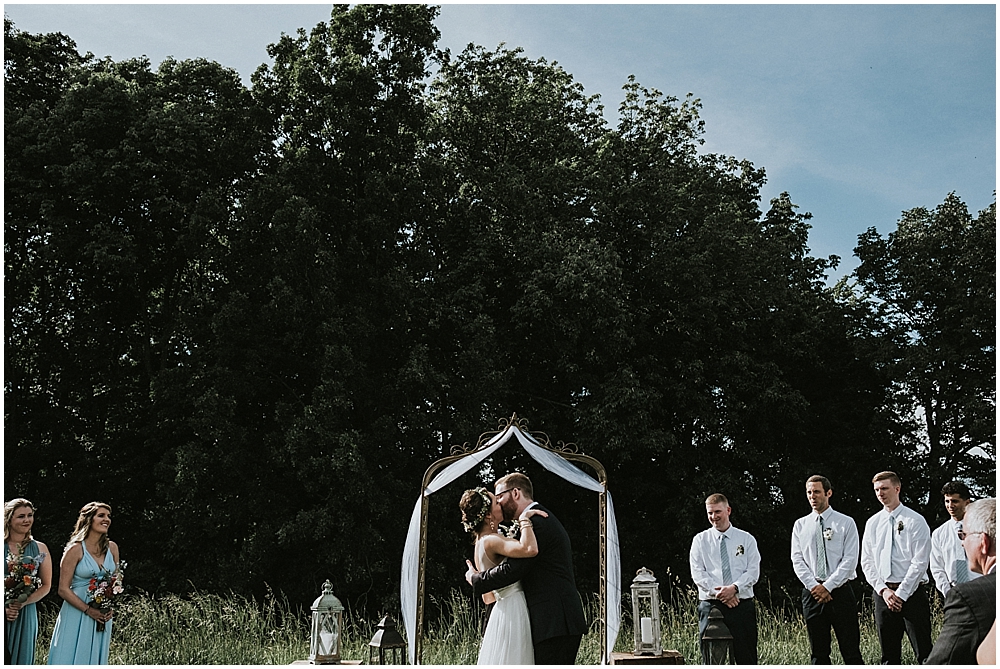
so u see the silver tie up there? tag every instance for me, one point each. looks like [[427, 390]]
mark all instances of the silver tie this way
[[822, 564], [885, 555], [961, 566], [727, 572]]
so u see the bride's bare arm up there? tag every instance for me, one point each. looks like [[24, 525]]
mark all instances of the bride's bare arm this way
[[526, 547]]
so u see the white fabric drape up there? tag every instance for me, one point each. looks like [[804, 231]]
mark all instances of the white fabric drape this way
[[555, 464]]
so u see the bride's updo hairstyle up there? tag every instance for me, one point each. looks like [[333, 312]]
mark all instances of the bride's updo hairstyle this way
[[83, 523], [475, 505]]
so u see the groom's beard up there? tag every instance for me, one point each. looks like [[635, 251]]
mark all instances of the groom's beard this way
[[509, 509]]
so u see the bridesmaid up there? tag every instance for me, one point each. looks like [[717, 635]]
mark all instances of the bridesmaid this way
[[22, 619], [75, 639]]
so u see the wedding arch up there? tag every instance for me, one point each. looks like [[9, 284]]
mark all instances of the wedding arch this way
[[556, 459]]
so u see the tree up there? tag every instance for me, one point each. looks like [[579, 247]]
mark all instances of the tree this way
[[120, 182], [933, 281], [304, 390], [281, 304]]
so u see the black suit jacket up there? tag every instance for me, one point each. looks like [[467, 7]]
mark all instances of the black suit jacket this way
[[969, 611], [548, 581]]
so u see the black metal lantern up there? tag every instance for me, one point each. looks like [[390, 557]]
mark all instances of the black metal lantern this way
[[327, 623], [717, 640], [387, 646]]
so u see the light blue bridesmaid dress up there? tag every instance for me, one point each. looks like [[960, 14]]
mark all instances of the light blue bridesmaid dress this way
[[21, 633], [75, 639]]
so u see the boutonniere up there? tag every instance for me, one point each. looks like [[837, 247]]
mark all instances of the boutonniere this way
[[899, 527], [828, 533], [739, 549]]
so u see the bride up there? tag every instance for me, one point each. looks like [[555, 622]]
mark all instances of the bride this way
[[507, 639]]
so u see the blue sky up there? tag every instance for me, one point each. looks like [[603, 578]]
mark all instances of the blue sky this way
[[858, 111]]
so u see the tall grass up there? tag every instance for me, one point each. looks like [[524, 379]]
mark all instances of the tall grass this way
[[212, 629]]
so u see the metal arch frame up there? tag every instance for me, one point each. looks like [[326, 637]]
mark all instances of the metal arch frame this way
[[563, 450]]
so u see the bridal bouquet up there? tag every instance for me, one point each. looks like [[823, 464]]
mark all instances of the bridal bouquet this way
[[105, 589], [22, 577], [510, 531]]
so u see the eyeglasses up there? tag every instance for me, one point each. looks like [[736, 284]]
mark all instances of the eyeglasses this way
[[962, 534], [500, 494]]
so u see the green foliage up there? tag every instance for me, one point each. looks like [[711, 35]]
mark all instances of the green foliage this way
[[250, 318], [202, 628], [933, 282]]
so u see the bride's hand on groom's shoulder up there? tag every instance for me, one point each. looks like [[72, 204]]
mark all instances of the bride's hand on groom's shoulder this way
[[528, 513]]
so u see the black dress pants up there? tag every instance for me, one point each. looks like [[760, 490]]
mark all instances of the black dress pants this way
[[558, 649], [914, 619], [842, 615], [742, 624]]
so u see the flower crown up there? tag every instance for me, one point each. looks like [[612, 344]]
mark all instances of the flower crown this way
[[472, 525]]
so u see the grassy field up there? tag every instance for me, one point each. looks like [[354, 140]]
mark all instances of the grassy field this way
[[209, 629]]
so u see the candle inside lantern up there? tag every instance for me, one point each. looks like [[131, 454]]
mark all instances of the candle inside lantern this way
[[646, 625], [327, 641]]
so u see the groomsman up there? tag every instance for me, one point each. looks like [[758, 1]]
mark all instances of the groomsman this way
[[949, 566], [725, 565], [895, 553], [825, 549]]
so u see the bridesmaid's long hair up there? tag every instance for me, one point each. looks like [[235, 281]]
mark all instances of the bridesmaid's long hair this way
[[8, 514], [83, 523]]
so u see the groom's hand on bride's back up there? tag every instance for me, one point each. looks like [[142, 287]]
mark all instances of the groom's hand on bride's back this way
[[472, 570]]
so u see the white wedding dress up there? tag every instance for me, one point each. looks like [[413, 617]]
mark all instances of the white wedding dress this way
[[507, 639]]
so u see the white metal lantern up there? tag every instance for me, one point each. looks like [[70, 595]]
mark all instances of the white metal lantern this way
[[646, 613], [327, 619]]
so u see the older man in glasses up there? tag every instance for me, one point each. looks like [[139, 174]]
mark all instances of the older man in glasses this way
[[970, 608]]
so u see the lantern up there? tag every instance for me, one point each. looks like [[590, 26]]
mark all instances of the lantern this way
[[327, 621], [646, 613], [388, 642], [716, 640]]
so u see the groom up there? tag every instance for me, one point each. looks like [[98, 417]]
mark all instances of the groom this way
[[557, 622]]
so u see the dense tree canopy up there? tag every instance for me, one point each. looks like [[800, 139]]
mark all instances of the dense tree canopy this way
[[249, 318], [933, 282]]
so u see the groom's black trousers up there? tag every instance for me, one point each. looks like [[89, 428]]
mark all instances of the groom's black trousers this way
[[558, 650], [486, 617]]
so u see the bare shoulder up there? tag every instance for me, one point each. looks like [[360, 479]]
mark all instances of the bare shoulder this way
[[72, 554], [491, 542], [113, 547]]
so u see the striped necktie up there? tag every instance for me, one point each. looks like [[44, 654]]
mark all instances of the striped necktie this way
[[961, 567], [822, 564], [727, 572]]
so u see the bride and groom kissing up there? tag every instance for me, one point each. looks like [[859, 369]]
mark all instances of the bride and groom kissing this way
[[535, 612]]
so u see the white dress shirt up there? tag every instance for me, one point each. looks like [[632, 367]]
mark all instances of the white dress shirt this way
[[946, 551], [911, 550], [842, 549], [706, 562]]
